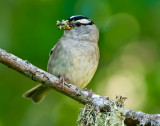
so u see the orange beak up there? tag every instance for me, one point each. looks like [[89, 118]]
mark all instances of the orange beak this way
[[66, 25]]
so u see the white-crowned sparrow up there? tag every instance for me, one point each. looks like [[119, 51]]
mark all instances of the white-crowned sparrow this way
[[74, 57]]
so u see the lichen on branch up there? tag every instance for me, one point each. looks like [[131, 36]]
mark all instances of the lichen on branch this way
[[89, 116]]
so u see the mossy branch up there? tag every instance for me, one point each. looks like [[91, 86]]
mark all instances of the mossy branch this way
[[101, 105]]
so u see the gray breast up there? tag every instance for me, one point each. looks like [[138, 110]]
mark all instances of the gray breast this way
[[75, 60]]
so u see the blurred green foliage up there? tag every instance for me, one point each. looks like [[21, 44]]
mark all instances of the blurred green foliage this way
[[129, 63]]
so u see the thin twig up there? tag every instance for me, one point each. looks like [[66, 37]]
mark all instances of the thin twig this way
[[132, 118]]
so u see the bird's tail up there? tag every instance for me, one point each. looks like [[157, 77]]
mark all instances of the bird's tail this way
[[37, 93]]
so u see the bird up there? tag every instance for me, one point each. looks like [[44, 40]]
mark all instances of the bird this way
[[75, 56]]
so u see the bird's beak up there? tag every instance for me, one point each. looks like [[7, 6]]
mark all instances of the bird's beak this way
[[66, 25]]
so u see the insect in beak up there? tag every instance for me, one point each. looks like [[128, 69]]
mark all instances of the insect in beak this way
[[66, 25]]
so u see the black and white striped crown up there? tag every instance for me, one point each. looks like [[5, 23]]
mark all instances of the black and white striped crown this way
[[82, 19]]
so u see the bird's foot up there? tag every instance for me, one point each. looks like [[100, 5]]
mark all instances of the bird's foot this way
[[62, 81], [90, 91]]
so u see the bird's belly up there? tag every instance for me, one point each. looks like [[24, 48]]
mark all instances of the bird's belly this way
[[78, 68]]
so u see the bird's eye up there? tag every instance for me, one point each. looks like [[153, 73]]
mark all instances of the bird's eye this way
[[78, 24]]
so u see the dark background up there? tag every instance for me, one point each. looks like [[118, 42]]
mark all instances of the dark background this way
[[129, 63]]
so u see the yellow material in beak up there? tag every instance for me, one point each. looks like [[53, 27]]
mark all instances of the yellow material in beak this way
[[64, 25]]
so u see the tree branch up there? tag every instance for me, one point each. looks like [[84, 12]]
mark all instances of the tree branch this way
[[132, 118]]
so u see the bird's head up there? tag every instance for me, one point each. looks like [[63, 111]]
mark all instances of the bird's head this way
[[79, 27]]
